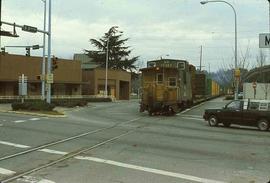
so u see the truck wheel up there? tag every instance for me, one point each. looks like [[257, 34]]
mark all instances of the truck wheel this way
[[263, 125], [213, 121], [227, 124]]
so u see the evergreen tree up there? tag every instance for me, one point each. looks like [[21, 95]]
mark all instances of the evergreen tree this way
[[118, 53]]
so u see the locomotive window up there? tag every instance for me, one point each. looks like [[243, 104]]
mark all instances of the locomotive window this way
[[159, 78], [181, 65], [172, 81]]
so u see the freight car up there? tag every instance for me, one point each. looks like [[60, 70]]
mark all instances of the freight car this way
[[166, 86]]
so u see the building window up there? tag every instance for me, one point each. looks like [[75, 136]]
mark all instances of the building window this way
[[159, 78], [172, 82]]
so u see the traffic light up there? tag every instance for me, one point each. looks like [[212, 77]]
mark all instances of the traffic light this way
[[3, 50], [54, 63], [27, 51]]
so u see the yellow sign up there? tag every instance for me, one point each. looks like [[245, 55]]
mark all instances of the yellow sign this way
[[49, 78], [237, 73]]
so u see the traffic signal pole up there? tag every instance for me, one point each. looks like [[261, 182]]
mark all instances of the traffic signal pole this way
[[49, 64], [44, 52]]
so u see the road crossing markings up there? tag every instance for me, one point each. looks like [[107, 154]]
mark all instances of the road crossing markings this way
[[4, 171], [14, 145], [125, 165], [19, 121], [199, 119], [34, 119]]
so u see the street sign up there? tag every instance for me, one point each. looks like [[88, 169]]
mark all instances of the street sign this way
[[35, 47], [264, 40], [49, 78], [23, 85], [28, 28]]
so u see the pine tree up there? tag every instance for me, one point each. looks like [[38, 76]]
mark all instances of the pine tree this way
[[118, 53]]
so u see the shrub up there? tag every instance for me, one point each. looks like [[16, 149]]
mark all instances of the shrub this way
[[33, 106], [229, 97]]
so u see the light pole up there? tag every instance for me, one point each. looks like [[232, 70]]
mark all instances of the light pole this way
[[107, 60], [235, 20], [48, 99], [44, 52]]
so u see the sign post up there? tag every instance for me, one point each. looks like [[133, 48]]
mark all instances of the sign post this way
[[254, 85], [22, 86]]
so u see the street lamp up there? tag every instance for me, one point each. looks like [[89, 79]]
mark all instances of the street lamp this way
[[107, 60], [235, 20], [44, 52]]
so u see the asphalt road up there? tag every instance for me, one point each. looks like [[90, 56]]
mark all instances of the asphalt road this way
[[158, 149]]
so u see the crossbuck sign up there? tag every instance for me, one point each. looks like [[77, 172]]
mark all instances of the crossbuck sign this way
[[264, 40]]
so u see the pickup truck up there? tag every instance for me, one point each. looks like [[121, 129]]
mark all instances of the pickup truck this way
[[254, 113]]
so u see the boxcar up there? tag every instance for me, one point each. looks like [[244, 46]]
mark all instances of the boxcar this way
[[166, 86]]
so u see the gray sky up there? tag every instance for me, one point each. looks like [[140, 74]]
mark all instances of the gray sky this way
[[155, 27]]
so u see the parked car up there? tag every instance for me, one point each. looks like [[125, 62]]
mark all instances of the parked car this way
[[242, 112]]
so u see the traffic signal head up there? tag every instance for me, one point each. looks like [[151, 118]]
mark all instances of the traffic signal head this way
[[27, 51], [54, 63], [3, 50]]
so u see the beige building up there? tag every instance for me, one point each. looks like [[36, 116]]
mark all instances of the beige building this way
[[118, 83], [67, 77]]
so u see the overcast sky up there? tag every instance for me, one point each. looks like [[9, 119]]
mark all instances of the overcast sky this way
[[155, 27]]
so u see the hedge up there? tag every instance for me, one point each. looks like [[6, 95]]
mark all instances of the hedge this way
[[33, 106]]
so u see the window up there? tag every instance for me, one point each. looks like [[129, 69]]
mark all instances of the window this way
[[181, 65], [160, 78], [234, 105], [254, 105], [172, 81]]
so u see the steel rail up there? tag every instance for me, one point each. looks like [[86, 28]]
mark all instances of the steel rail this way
[[65, 157], [40, 147]]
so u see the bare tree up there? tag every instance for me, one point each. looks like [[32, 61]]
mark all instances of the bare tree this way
[[261, 61]]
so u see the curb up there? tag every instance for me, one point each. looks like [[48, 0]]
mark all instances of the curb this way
[[34, 114]]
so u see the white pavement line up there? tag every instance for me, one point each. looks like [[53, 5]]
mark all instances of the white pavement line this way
[[124, 165], [150, 170], [20, 121], [192, 108], [14, 145], [199, 119], [6, 172], [30, 179], [53, 151], [34, 119], [192, 116]]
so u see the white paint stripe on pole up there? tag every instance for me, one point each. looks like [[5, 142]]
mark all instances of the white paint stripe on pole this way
[[53, 151], [4, 171], [149, 170], [14, 145], [20, 121]]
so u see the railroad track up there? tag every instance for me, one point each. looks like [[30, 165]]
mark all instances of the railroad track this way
[[69, 155]]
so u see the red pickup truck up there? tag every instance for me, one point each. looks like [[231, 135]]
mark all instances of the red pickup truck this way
[[241, 112]]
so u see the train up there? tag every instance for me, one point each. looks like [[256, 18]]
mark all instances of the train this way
[[170, 85]]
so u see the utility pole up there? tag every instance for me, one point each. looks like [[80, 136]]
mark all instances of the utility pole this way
[[201, 59], [0, 20], [269, 32], [49, 64]]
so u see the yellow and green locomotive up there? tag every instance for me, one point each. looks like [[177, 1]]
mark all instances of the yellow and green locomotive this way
[[166, 86]]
